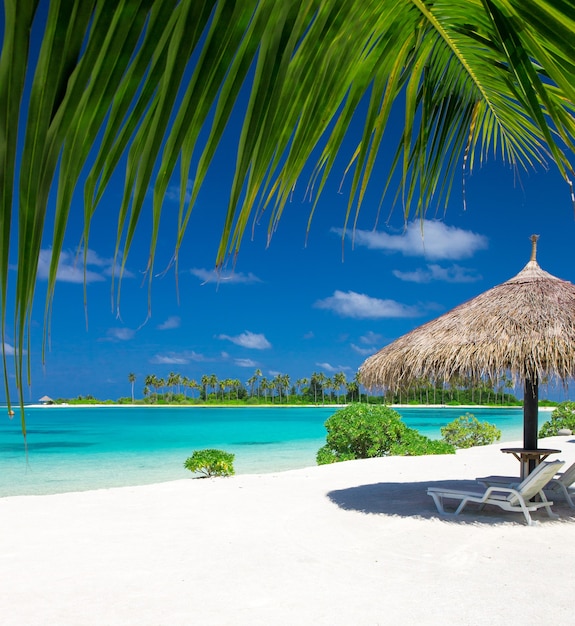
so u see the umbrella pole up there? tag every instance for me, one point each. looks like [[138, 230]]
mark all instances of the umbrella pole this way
[[530, 415]]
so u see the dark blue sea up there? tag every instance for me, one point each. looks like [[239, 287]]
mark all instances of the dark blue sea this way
[[82, 448]]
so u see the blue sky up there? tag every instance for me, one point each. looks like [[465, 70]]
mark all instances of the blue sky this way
[[307, 302], [291, 307]]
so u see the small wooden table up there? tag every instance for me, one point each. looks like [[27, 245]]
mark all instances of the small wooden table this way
[[529, 459]]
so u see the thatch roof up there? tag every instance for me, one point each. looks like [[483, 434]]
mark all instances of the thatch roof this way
[[524, 327]]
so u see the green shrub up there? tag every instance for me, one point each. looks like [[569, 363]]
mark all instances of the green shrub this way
[[211, 463], [467, 431], [362, 431], [413, 443], [325, 455], [562, 417]]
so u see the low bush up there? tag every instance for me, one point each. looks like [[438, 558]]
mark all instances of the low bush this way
[[562, 417], [211, 463], [362, 431], [467, 431]]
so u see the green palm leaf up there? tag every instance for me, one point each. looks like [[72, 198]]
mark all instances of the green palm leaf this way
[[150, 86]]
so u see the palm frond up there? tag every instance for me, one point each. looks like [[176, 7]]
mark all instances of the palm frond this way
[[150, 86]]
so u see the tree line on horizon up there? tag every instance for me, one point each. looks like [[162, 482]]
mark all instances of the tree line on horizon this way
[[317, 389]]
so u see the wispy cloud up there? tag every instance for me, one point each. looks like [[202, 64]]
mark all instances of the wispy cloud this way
[[371, 338], [173, 191], [333, 368], [433, 272], [71, 267], [363, 351], [119, 334], [8, 349], [248, 339], [309, 335], [245, 363], [370, 343], [172, 322], [221, 278], [431, 239], [361, 306], [178, 358]]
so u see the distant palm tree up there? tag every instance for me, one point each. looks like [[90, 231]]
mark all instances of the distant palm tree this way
[[213, 382], [194, 386], [174, 381], [322, 380], [152, 381], [205, 380], [265, 385], [132, 380], [352, 390], [339, 381], [236, 386], [300, 383], [223, 384], [252, 381], [357, 381], [185, 383]]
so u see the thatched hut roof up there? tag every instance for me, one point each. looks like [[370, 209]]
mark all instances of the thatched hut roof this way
[[524, 327]]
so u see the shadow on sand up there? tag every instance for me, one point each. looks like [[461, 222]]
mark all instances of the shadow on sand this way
[[411, 500]]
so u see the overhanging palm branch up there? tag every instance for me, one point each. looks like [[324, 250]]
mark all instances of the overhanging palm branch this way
[[140, 84]]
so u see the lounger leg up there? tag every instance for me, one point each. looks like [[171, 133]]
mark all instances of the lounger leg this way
[[461, 506], [567, 495], [526, 513], [438, 502], [548, 506], [438, 499]]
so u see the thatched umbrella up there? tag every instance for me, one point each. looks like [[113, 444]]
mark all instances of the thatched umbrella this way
[[524, 327]]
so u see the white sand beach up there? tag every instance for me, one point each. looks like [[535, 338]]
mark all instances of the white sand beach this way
[[357, 543]]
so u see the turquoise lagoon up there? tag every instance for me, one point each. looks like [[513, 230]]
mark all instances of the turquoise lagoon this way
[[80, 448]]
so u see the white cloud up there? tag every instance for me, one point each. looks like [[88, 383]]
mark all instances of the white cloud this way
[[453, 274], [370, 338], [248, 339], [172, 322], [71, 267], [166, 359], [173, 191], [245, 363], [333, 368], [8, 349], [119, 334], [178, 358], [309, 335], [361, 306], [213, 276], [431, 239], [363, 351]]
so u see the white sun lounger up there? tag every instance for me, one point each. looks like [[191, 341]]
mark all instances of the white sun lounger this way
[[517, 499], [558, 486]]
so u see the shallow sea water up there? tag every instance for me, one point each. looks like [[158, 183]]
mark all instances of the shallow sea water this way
[[82, 448]]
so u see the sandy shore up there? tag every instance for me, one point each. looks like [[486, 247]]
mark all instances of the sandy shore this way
[[356, 543]]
